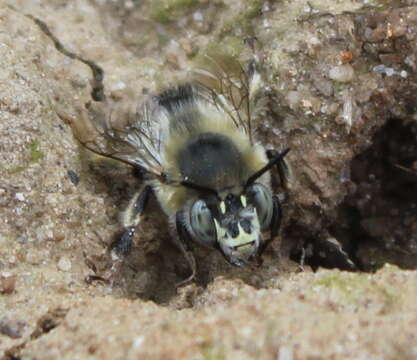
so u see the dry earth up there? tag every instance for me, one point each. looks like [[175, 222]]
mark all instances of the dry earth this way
[[340, 90]]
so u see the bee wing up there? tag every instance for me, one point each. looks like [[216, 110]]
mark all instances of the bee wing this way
[[136, 142], [230, 87]]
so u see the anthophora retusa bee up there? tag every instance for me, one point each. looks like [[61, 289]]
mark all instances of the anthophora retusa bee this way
[[196, 145]]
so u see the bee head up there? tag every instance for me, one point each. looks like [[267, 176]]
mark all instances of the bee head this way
[[233, 222]]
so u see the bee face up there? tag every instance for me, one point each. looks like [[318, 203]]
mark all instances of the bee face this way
[[234, 224]]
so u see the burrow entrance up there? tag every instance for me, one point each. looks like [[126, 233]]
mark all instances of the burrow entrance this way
[[377, 222]]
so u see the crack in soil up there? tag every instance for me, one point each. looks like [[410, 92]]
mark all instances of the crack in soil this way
[[97, 92]]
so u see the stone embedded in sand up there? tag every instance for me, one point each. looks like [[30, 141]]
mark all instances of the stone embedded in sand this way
[[7, 283], [64, 264], [342, 73]]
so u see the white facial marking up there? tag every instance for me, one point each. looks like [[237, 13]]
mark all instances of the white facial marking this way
[[223, 207], [221, 233], [243, 201]]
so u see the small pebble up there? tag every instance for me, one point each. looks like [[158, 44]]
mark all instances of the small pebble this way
[[11, 327], [64, 264], [20, 197], [21, 239], [198, 16], [57, 235], [293, 99], [73, 176], [7, 283], [285, 353], [342, 73]]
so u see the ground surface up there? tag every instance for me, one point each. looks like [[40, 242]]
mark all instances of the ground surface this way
[[340, 90]]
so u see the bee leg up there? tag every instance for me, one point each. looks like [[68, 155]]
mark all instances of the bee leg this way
[[121, 247], [276, 217], [184, 243], [275, 223], [130, 220], [302, 259], [123, 244], [284, 169]]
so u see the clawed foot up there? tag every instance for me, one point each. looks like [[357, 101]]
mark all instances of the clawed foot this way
[[108, 276], [193, 266], [186, 281]]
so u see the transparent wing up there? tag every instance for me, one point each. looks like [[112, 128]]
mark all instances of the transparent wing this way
[[133, 139], [230, 87]]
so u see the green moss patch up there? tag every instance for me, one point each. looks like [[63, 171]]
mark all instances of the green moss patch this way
[[243, 20], [355, 289], [212, 352], [34, 156], [34, 153], [167, 11]]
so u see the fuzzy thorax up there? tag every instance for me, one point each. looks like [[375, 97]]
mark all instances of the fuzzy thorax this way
[[207, 149]]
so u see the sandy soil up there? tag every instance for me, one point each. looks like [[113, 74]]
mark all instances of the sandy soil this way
[[339, 84]]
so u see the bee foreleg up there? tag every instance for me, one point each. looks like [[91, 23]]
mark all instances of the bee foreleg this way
[[130, 220], [183, 241], [275, 223], [283, 168]]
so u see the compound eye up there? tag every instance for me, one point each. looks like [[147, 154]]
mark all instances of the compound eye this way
[[261, 198], [202, 223]]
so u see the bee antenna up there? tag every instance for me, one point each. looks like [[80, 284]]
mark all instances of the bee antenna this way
[[268, 166], [203, 189]]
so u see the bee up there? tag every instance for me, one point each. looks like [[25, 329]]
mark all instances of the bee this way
[[197, 148]]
